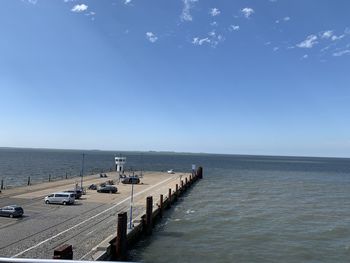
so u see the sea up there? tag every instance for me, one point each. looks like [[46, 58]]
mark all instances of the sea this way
[[246, 208]]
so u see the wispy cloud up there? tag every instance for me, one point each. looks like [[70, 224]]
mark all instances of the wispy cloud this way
[[186, 11], [233, 28], [247, 12], [305, 56], [341, 53], [151, 37], [286, 19], [213, 39], [335, 38], [309, 42], [79, 8], [327, 34], [126, 2], [215, 12]]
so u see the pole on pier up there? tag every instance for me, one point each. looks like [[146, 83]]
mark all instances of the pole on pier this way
[[63, 252], [49, 177], [161, 206], [186, 183], [182, 185], [82, 172], [66, 175], [200, 172], [28, 183], [2, 184], [122, 246], [149, 207]]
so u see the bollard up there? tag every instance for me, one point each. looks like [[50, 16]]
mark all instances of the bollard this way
[[66, 175], [161, 206], [149, 208], [200, 172], [186, 183], [2, 184], [182, 185], [28, 183], [63, 252], [49, 177], [121, 245]]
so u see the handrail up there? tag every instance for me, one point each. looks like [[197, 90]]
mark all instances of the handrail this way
[[32, 260]]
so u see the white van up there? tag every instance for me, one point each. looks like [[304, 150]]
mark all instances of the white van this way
[[60, 198]]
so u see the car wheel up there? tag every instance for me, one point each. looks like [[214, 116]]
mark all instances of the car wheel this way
[[64, 203], [47, 202], [11, 215]]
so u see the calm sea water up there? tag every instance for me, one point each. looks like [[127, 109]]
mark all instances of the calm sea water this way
[[246, 209]]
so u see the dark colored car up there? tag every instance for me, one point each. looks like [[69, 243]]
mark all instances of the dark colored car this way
[[78, 193], [107, 189], [11, 211], [131, 180], [93, 187]]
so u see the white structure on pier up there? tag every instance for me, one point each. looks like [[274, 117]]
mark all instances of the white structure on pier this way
[[119, 163]]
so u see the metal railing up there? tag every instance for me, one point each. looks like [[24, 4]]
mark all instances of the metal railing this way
[[32, 260]]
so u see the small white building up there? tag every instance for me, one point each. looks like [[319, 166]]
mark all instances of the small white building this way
[[119, 163]]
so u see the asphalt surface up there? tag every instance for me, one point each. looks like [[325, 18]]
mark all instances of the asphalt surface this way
[[84, 225]]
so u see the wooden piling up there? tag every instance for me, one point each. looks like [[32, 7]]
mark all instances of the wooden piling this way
[[121, 245], [63, 252], [176, 191], [161, 206], [149, 208], [49, 177], [170, 197], [2, 184], [186, 183], [66, 175], [182, 185], [28, 183], [200, 172]]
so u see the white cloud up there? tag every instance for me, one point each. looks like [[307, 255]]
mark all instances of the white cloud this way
[[79, 8], [186, 11], [305, 56], [276, 49], [215, 12], [198, 41], [334, 37], [309, 42], [233, 28], [151, 37], [214, 23], [247, 11], [327, 34], [126, 2], [287, 18], [341, 53]]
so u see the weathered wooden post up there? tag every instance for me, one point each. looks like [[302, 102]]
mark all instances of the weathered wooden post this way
[[170, 197], [149, 209], [182, 186], [63, 252], [28, 183], [49, 177], [66, 175], [186, 183], [2, 184], [122, 245], [200, 172], [176, 191], [161, 206]]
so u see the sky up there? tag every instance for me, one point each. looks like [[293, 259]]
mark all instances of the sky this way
[[226, 76]]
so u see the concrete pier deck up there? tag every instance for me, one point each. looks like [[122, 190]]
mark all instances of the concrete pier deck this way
[[85, 225]]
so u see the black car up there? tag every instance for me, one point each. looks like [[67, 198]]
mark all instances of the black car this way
[[11, 211], [78, 193], [107, 189], [131, 180]]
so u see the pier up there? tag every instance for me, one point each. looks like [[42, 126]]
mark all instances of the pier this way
[[98, 226]]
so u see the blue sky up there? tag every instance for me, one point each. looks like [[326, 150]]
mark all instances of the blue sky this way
[[244, 76]]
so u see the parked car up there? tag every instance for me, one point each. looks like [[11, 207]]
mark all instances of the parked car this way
[[93, 187], [60, 198], [131, 180], [78, 193], [107, 189], [11, 211]]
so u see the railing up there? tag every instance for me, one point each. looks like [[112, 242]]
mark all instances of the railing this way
[[31, 260]]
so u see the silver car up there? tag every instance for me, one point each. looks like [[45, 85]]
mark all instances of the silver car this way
[[60, 198]]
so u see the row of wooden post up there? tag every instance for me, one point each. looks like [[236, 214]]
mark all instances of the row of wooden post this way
[[120, 247]]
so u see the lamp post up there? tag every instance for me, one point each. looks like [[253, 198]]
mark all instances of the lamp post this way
[[82, 172]]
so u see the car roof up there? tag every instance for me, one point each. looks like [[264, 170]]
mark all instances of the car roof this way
[[59, 193]]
